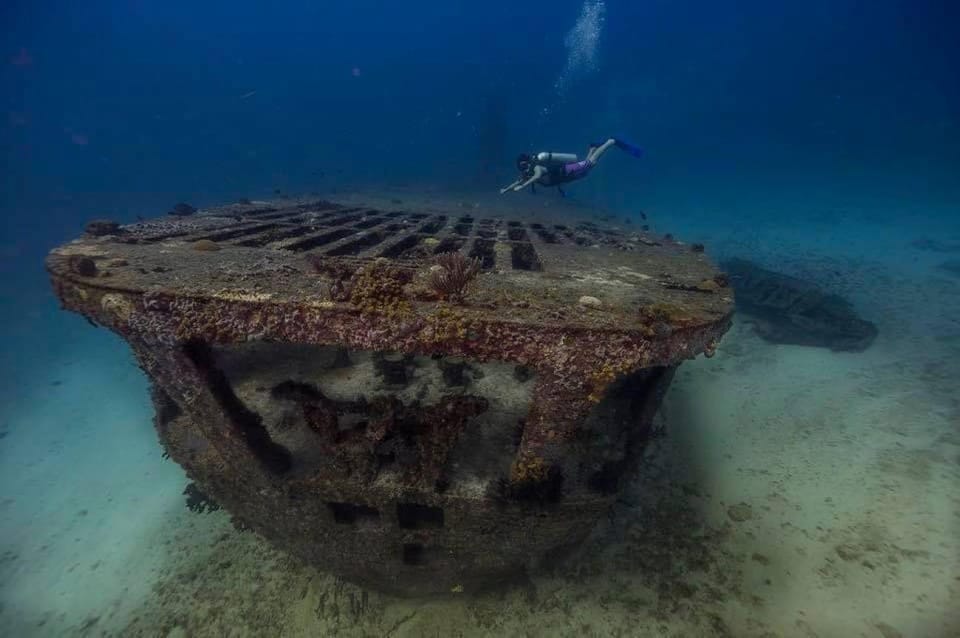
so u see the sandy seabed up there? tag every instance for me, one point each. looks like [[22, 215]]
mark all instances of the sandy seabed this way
[[794, 492]]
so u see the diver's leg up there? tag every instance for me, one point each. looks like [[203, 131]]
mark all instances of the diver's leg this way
[[595, 153]]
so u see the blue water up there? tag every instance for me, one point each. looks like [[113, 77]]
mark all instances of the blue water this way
[[800, 132], [792, 97]]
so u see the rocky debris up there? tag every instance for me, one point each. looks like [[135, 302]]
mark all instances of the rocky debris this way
[[793, 311], [102, 227], [847, 552], [644, 240], [760, 558], [590, 302], [740, 512], [182, 210], [205, 245]]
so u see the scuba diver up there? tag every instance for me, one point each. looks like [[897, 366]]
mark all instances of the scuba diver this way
[[556, 169]]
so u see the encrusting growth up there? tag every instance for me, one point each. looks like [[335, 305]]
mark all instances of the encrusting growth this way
[[341, 381]]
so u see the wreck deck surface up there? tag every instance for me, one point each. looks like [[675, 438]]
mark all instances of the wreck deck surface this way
[[533, 272], [421, 489]]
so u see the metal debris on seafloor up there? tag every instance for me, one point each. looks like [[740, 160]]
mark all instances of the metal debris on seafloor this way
[[312, 381], [793, 311]]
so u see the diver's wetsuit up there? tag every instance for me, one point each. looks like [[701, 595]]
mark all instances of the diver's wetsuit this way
[[558, 174]]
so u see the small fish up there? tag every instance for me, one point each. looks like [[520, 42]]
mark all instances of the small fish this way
[[249, 94]]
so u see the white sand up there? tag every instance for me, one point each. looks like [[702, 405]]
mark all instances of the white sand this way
[[844, 469]]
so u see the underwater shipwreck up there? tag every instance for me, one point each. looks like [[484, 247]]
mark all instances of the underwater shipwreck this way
[[419, 399]]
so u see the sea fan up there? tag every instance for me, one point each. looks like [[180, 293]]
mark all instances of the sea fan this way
[[452, 274]]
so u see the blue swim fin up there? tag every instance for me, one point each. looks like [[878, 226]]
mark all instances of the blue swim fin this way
[[636, 151]]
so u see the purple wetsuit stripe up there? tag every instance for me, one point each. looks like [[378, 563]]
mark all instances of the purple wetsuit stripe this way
[[576, 169]]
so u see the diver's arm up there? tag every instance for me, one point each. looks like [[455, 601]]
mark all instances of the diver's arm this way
[[510, 187], [538, 172]]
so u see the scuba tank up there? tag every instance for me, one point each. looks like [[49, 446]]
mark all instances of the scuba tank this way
[[547, 159]]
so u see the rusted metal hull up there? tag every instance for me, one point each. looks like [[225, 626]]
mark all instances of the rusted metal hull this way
[[352, 416]]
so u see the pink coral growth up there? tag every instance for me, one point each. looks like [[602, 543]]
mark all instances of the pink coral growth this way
[[452, 274]]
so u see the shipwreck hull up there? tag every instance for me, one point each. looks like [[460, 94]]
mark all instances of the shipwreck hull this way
[[312, 383]]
